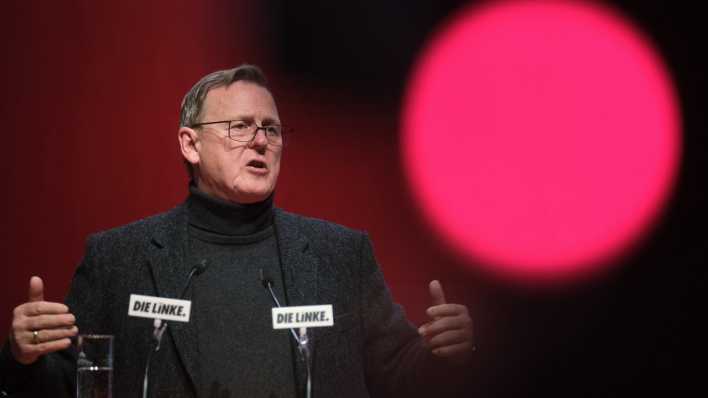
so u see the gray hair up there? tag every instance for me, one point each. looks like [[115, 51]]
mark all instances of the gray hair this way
[[193, 102]]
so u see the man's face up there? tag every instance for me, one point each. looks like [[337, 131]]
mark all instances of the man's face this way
[[241, 172]]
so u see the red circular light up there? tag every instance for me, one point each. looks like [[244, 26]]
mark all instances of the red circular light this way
[[541, 139]]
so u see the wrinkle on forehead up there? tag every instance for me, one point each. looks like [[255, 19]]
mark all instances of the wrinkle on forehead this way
[[241, 101]]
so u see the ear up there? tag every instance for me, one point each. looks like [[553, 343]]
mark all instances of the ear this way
[[188, 144]]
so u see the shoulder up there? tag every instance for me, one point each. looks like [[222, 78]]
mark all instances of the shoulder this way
[[142, 229]]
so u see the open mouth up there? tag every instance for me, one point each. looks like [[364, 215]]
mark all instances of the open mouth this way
[[257, 164]]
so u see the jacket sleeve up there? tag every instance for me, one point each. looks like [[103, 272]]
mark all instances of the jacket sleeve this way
[[54, 374], [398, 362]]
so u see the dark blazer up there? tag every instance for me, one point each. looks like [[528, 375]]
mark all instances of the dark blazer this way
[[372, 350]]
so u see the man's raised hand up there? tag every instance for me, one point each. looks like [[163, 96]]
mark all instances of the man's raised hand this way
[[40, 327], [449, 332]]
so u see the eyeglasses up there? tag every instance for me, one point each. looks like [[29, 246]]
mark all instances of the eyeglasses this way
[[245, 131]]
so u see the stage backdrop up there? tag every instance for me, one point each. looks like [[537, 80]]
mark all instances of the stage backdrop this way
[[91, 94]]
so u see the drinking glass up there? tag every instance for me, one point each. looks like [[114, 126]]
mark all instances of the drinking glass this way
[[94, 366]]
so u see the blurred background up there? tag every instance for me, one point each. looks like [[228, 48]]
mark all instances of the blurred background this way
[[90, 111]]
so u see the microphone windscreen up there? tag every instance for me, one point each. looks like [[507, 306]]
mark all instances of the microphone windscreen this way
[[265, 281], [201, 267]]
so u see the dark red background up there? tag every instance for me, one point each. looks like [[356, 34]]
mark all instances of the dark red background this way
[[91, 94]]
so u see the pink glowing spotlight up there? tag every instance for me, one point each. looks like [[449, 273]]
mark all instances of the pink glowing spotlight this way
[[541, 139]]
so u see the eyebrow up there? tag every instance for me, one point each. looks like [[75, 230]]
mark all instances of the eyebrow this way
[[266, 120]]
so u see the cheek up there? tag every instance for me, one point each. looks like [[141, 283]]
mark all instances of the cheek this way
[[276, 167], [230, 163], [224, 169]]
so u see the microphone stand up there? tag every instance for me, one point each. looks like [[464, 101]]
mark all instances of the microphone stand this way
[[159, 327], [304, 347], [303, 343]]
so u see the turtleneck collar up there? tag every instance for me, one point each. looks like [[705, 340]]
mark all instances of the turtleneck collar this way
[[218, 216]]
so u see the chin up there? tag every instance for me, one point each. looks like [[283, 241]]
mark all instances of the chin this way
[[253, 196], [251, 190]]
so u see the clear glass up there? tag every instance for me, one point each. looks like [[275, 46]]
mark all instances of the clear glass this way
[[245, 131], [94, 366]]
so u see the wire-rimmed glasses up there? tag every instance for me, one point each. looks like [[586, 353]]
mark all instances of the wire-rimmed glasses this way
[[245, 131]]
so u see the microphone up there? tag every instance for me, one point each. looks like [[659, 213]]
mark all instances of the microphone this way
[[159, 326], [267, 283], [195, 271], [302, 340]]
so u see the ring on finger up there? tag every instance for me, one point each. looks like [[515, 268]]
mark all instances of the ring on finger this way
[[35, 337]]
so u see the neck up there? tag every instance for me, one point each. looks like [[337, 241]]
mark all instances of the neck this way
[[219, 216]]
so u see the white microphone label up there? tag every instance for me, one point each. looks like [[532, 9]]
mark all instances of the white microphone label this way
[[159, 308], [306, 316]]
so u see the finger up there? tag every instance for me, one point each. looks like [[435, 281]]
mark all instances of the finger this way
[[446, 310], [436, 293], [48, 335], [49, 321], [450, 337], [424, 327], [49, 346], [40, 308], [454, 350], [444, 324], [36, 289]]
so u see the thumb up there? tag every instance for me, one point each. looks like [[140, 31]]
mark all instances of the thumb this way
[[436, 293], [36, 289]]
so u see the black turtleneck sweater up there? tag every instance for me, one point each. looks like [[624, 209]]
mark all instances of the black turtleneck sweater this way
[[240, 353]]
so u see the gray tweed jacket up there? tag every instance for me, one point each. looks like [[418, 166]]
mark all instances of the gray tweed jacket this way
[[372, 350]]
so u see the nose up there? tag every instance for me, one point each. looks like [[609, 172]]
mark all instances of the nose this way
[[259, 140]]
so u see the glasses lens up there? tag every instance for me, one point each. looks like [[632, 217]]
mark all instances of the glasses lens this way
[[241, 131], [274, 134], [244, 132]]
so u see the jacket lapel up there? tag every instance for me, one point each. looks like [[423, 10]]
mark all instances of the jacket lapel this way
[[167, 253], [297, 260]]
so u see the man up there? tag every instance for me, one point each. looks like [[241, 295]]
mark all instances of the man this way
[[231, 138]]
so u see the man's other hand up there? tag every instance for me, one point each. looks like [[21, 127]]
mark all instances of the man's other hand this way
[[40, 327], [449, 332]]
